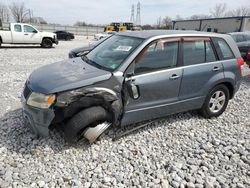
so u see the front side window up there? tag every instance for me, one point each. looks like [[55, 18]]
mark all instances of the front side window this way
[[18, 28], [28, 29], [159, 55], [111, 53]]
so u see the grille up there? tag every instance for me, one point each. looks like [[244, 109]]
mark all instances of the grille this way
[[26, 91]]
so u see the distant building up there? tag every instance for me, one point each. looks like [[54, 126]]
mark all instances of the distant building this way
[[217, 25]]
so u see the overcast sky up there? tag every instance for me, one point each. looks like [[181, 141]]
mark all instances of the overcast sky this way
[[106, 11]]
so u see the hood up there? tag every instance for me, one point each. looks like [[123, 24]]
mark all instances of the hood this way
[[65, 75], [83, 48]]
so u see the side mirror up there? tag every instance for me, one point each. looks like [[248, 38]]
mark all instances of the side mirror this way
[[130, 71], [34, 31]]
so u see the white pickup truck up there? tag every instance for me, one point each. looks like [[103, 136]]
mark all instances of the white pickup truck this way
[[20, 33]]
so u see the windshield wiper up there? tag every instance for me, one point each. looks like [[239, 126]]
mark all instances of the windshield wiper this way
[[87, 60]]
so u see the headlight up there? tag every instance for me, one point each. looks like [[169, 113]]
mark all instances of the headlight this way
[[40, 100]]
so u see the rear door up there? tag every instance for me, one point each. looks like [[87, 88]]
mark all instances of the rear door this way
[[201, 69], [17, 33], [155, 83]]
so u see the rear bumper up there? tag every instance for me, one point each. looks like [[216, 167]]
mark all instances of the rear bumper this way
[[38, 120]]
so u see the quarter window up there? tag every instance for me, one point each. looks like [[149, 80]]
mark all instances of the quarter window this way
[[18, 28], [225, 49], [28, 29], [159, 55]]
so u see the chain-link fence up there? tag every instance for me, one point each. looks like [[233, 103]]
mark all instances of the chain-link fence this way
[[77, 30]]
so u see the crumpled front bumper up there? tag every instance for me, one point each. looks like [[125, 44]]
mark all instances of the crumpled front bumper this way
[[37, 119], [55, 41]]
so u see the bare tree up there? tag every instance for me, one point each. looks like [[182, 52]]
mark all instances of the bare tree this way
[[4, 13], [167, 22], [240, 11], [80, 23], [18, 11], [178, 17], [219, 10], [158, 23]]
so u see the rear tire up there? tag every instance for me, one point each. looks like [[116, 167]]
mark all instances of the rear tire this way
[[216, 102], [47, 43], [89, 117]]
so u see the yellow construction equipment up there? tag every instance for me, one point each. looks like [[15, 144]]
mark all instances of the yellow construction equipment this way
[[116, 26]]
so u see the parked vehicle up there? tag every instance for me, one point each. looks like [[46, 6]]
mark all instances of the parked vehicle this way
[[64, 35], [242, 40], [133, 77], [20, 33], [103, 35], [77, 52]]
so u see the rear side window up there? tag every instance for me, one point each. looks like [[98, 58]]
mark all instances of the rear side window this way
[[247, 37], [239, 38], [18, 28], [194, 52], [197, 50], [226, 52]]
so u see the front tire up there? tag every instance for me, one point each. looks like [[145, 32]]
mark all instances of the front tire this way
[[67, 37], [47, 43], [89, 117], [216, 102]]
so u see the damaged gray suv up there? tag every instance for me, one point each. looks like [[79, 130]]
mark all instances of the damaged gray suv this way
[[133, 77]]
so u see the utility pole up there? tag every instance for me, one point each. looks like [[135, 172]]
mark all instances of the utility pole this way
[[132, 18], [138, 14]]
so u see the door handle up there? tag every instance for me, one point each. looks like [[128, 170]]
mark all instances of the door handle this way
[[26, 34], [216, 68], [174, 77]]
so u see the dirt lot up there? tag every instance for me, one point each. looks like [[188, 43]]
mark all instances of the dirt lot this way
[[181, 150]]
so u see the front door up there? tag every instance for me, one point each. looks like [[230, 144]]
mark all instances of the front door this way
[[154, 87], [31, 35]]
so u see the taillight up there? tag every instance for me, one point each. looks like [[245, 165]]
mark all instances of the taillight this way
[[248, 56], [240, 62]]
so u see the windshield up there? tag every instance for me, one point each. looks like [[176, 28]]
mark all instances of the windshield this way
[[112, 52]]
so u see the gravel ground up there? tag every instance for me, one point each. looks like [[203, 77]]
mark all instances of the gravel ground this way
[[182, 150]]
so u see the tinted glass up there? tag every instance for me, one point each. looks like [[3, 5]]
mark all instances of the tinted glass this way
[[193, 52], [18, 28], [225, 49], [28, 29], [239, 38], [210, 56], [157, 56], [247, 37], [111, 53]]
